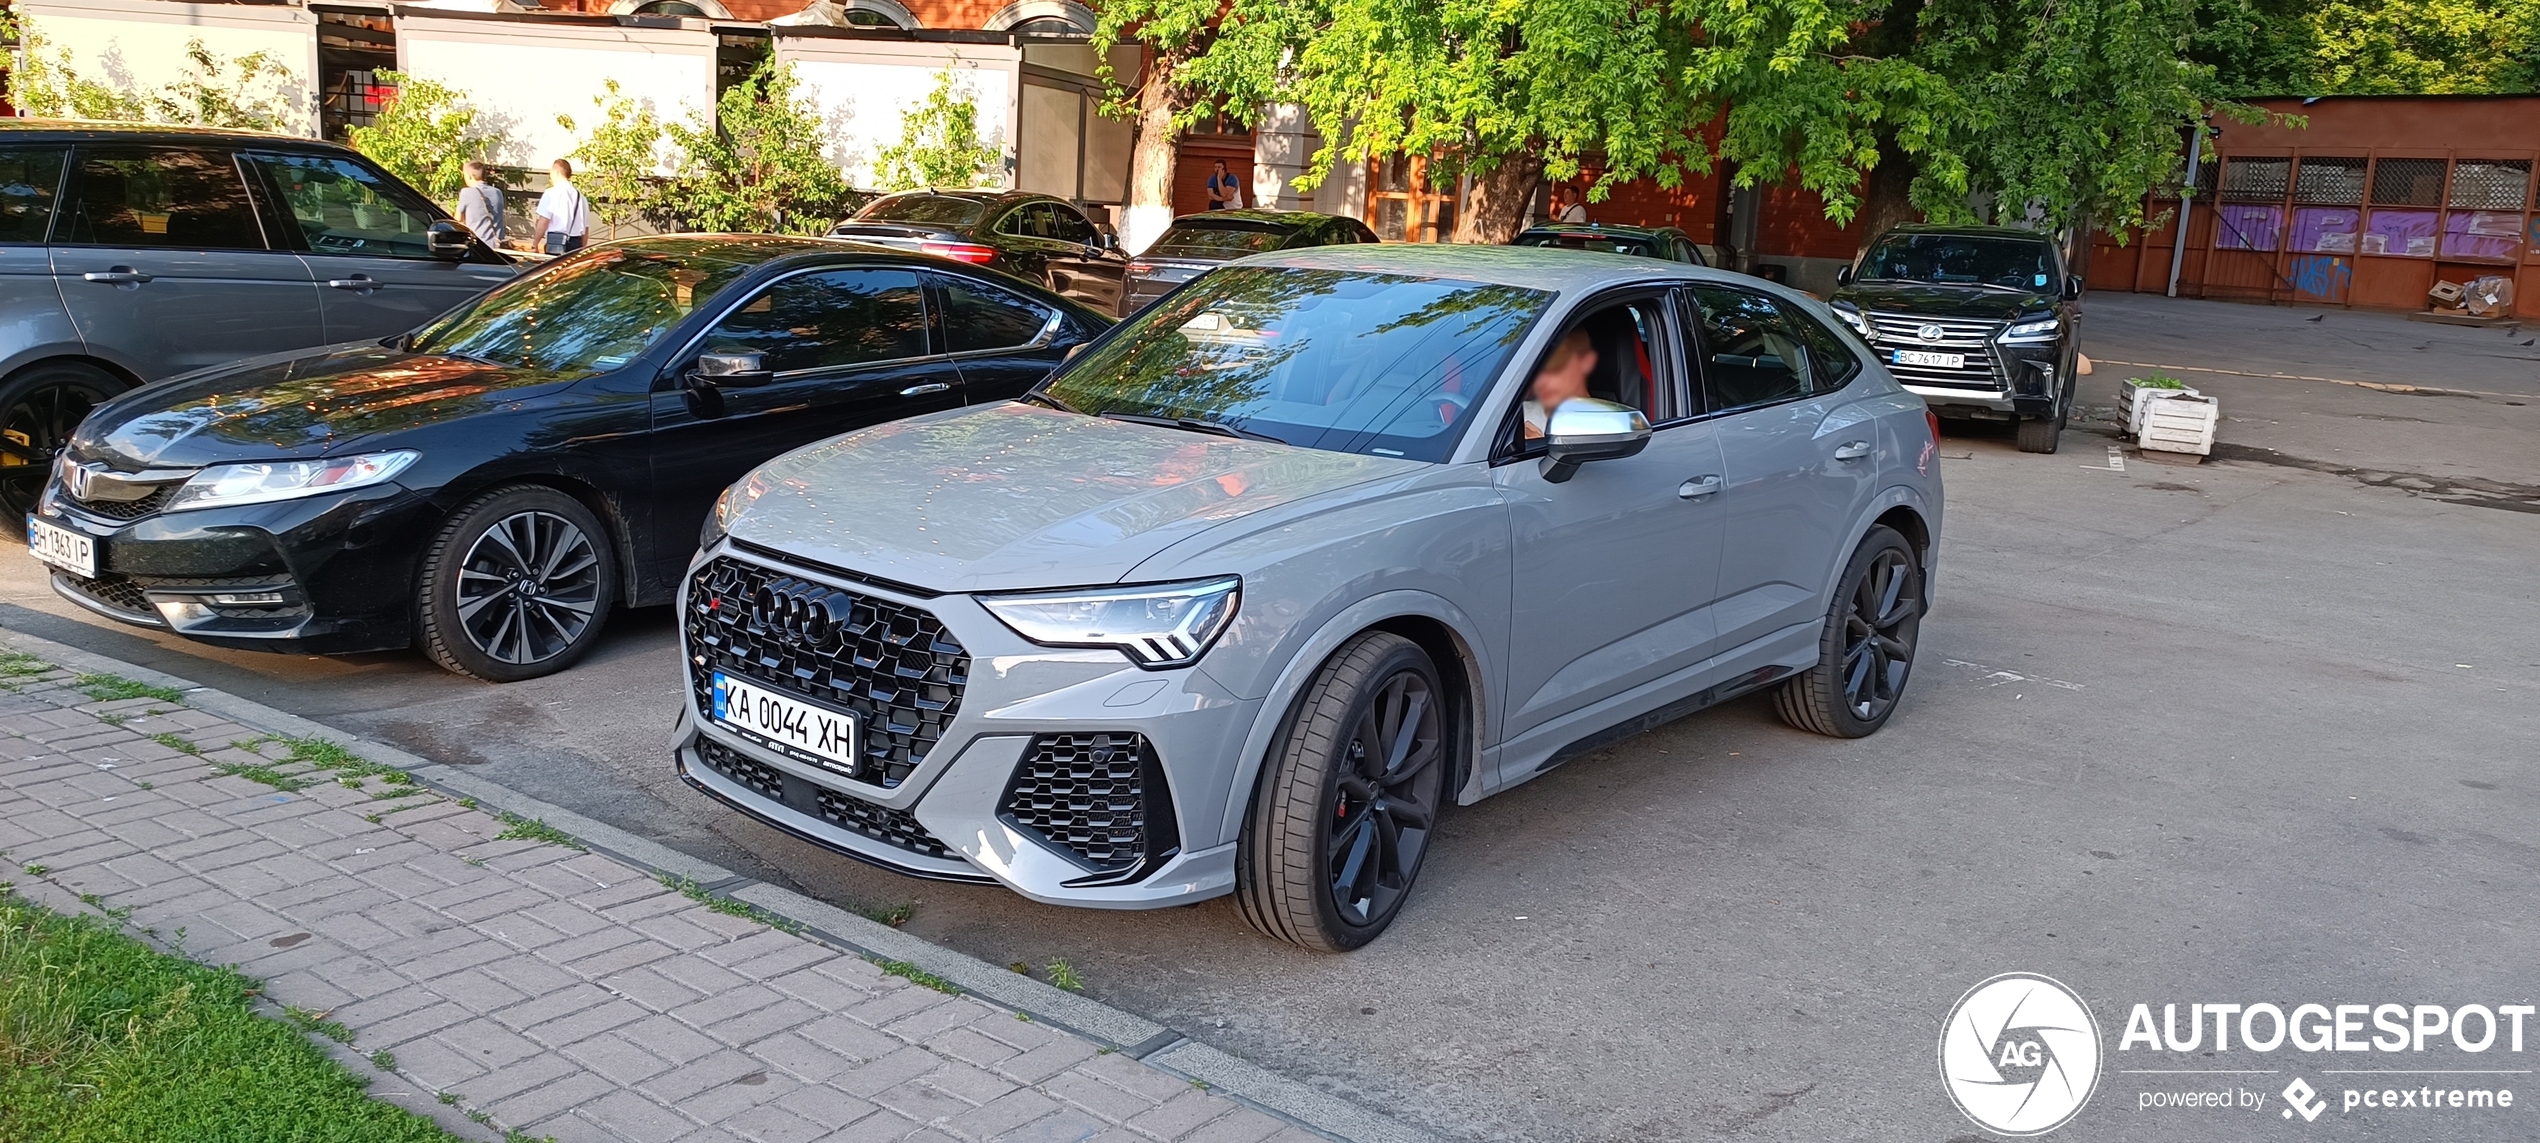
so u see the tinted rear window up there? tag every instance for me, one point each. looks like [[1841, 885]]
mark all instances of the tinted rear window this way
[[1219, 240], [934, 209], [1601, 243], [29, 178]]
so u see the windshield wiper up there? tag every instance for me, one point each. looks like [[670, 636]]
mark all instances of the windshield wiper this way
[[1194, 425], [1049, 401]]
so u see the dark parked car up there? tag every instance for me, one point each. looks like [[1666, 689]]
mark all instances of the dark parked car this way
[[488, 486], [1032, 236], [1198, 241], [1979, 320], [1665, 243], [130, 253]]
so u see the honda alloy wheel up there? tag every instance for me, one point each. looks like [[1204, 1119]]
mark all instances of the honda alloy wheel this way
[[1866, 651], [517, 585], [1349, 799]]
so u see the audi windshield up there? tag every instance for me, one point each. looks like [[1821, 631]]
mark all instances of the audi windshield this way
[[1379, 364]]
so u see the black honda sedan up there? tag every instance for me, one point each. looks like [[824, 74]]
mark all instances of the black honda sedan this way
[[487, 487]]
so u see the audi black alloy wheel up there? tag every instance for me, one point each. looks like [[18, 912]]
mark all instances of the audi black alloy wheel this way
[[1349, 799], [1866, 651], [517, 584]]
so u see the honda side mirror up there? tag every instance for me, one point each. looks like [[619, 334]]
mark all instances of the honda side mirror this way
[[731, 371], [445, 240], [2072, 287], [1584, 429], [1843, 275]]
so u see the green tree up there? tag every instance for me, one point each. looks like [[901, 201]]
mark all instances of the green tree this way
[[759, 164], [250, 91], [1204, 58], [939, 143], [619, 163], [2370, 47], [424, 134]]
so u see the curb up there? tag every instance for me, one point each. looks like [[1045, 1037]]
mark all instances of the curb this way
[[1130, 1034]]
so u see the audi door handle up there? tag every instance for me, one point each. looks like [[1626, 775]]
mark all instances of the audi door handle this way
[[116, 276], [1699, 487], [1852, 450], [926, 389], [362, 282]]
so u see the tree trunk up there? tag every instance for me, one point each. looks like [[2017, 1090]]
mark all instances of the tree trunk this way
[[1150, 207], [1889, 198], [1498, 207]]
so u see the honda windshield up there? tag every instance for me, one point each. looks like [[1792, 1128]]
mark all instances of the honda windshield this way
[[587, 314], [1381, 364], [1959, 259]]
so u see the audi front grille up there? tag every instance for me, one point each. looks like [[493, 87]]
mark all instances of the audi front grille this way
[[892, 665], [1971, 338]]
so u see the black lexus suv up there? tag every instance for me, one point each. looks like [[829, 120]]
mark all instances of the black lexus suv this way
[[1979, 320]]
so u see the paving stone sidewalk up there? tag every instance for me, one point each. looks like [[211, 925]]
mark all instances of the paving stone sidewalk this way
[[543, 990]]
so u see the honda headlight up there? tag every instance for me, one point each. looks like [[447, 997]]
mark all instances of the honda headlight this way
[[223, 485], [1852, 317], [1158, 625], [2040, 329]]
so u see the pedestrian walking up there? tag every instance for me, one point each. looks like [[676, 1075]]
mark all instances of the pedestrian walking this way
[[1224, 190], [481, 206], [564, 214]]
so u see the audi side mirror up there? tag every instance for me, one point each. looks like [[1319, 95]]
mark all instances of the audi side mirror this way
[[2072, 287], [1583, 429], [1843, 275], [731, 371], [445, 240]]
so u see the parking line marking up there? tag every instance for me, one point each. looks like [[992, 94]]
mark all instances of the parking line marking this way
[[2116, 461], [2384, 386], [1994, 676]]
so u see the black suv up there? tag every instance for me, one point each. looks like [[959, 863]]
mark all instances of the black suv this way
[[1035, 237], [1979, 320], [1662, 242]]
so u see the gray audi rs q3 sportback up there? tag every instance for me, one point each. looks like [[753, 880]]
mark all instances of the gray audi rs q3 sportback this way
[[1250, 591]]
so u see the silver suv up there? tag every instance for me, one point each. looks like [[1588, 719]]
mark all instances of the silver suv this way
[[1254, 588], [130, 253]]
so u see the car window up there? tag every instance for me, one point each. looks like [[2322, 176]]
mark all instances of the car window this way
[[1601, 243], [29, 178], [826, 319], [936, 209], [1752, 352], [2011, 263], [342, 208], [1217, 239], [1069, 226], [978, 316], [1634, 364], [160, 197], [1018, 221], [1830, 354], [583, 315], [1350, 361]]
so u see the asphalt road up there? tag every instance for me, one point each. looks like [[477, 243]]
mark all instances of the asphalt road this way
[[2258, 729]]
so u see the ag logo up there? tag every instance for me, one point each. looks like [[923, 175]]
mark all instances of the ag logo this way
[[2020, 1054]]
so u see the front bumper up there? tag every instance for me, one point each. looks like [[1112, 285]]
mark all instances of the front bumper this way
[[948, 717], [317, 575], [2026, 381]]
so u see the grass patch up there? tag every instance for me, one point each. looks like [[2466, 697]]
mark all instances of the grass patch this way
[[518, 828], [731, 907], [176, 742], [892, 915], [265, 774], [103, 1038], [1063, 975], [38, 869], [20, 665], [917, 976], [317, 1023], [384, 1060], [112, 688], [114, 720]]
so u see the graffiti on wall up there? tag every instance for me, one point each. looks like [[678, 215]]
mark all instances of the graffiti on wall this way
[[2321, 276]]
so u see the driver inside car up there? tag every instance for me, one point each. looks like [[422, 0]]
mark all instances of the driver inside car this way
[[1564, 375]]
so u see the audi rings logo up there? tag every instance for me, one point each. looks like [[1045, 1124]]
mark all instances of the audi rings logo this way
[[2020, 1054], [807, 612]]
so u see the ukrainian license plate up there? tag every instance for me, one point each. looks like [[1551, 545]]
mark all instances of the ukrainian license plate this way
[[1931, 360], [815, 732], [62, 548]]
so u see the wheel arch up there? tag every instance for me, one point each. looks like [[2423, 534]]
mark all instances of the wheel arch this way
[[62, 355], [1436, 625]]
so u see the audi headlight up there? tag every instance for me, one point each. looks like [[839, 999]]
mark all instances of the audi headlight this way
[[256, 483], [1852, 317], [2041, 329], [1158, 625], [728, 507]]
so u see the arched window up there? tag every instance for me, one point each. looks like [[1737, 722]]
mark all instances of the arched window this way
[[693, 9], [1044, 16]]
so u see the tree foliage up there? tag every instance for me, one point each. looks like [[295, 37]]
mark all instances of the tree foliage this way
[[939, 143], [760, 164], [618, 164], [425, 133], [253, 91], [2371, 47]]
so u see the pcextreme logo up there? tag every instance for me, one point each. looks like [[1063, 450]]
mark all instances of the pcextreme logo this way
[[2020, 1054]]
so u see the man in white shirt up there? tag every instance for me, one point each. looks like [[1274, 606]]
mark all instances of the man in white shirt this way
[[1576, 211], [564, 215], [481, 206]]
